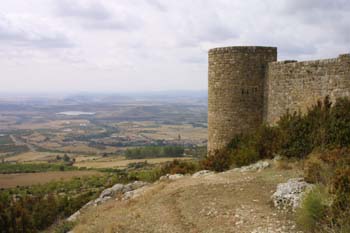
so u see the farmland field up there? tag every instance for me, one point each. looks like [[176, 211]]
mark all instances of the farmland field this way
[[5, 140], [37, 132], [122, 163], [27, 179]]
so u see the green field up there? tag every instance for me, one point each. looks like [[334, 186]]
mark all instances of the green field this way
[[6, 140]]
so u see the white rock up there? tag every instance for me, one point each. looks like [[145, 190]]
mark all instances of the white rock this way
[[254, 167], [289, 195], [74, 217], [171, 177], [118, 188], [107, 193], [134, 193], [202, 173], [134, 185]]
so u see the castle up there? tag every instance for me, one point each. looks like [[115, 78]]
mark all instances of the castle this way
[[248, 87]]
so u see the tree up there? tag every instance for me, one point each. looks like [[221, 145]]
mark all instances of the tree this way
[[66, 158]]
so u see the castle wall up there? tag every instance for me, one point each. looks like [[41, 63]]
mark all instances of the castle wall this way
[[296, 86], [236, 91]]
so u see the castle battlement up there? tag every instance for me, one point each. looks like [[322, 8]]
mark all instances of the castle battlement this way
[[248, 87]]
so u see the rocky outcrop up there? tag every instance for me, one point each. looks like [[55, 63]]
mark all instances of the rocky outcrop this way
[[122, 189], [202, 173], [128, 191], [171, 177], [254, 167], [288, 195]]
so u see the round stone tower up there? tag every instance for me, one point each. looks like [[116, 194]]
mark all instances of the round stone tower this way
[[236, 91]]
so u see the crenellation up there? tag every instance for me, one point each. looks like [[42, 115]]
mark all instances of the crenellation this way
[[248, 86]]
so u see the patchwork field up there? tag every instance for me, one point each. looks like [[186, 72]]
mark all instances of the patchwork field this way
[[33, 131]]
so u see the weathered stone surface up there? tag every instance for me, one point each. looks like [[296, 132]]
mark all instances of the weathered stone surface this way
[[254, 167], [235, 98], [74, 216], [248, 87], [296, 86], [171, 177], [289, 195], [134, 185], [134, 193], [128, 191], [202, 173]]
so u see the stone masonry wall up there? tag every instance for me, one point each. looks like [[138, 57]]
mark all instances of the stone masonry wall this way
[[296, 86], [236, 91]]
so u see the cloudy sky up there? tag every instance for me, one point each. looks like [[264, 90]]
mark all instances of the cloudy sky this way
[[139, 45]]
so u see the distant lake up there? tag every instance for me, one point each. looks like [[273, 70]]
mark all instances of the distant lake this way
[[76, 113]]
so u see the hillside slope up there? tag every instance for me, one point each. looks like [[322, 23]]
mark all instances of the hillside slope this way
[[225, 202]]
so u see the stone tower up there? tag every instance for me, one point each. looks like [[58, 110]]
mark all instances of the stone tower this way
[[236, 91]]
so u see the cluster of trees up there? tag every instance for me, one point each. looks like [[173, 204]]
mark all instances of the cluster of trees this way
[[32, 209], [7, 168], [154, 152]]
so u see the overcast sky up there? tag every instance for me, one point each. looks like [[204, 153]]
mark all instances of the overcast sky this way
[[140, 45]]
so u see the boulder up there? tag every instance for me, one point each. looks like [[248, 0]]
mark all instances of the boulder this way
[[288, 195]]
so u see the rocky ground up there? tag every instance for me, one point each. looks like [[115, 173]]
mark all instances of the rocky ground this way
[[232, 201]]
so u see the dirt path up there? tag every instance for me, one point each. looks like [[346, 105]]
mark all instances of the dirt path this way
[[225, 202]]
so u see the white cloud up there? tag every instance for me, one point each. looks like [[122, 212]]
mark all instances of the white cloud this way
[[24, 31], [153, 44]]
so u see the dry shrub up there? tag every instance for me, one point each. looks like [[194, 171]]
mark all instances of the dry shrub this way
[[316, 170], [219, 160], [283, 164], [330, 168], [179, 167], [245, 156]]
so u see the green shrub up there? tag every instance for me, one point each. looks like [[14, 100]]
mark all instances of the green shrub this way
[[338, 129], [267, 141], [145, 175], [332, 168], [245, 156], [64, 227], [341, 188], [312, 210], [295, 137]]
